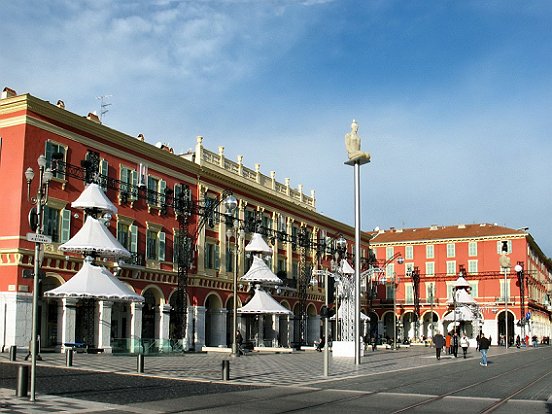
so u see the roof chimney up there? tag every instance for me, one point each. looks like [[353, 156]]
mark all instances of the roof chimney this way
[[8, 93]]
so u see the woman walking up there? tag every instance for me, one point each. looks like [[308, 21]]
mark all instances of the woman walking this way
[[464, 343]]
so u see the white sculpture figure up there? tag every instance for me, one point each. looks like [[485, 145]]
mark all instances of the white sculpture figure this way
[[352, 144]]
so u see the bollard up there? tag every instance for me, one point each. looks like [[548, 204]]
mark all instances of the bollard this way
[[13, 352], [225, 370], [140, 363], [69, 353], [22, 381]]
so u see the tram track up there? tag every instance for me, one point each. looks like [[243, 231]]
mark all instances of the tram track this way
[[492, 407]]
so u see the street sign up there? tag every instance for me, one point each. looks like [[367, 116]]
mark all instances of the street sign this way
[[38, 238], [528, 315]]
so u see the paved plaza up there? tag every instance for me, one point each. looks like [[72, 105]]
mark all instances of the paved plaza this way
[[276, 383]]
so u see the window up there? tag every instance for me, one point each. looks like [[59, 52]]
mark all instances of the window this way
[[408, 293], [430, 292], [211, 217], [451, 267], [430, 268], [129, 182], [504, 291], [409, 252], [473, 266], [123, 234], [153, 184], [294, 270], [390, 291], [474, 289], [450, 291], [499, 245], [389, 252], [267, 222], [182, 194], [250, 220], [155, 244], [390, 270], [451, 250], [181, 249], [104, 172], [409, 268], [472, 249], [60, 152], [127, 234], [229, 258], [282, 265], [282, 223], [211, 256], [57, 223], [430, 252]]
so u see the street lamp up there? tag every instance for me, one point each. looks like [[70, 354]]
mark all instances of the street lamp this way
[[41, 199], [231, 204], [400, 261], [336, 266], [520, 275], [504, 262]]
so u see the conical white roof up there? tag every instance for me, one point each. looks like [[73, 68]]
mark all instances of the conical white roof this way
[[260, 273], [461, 282], [463, 313], [262, 302], [94, 282], [258, 245], [94, 237], [346, 268], [94, 197], [363, 316], [462, 296]]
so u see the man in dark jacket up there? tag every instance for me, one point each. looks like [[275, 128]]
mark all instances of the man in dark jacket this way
[[439, 343], [454, 344], [484, 345]]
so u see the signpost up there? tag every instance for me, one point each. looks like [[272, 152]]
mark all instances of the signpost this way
[[39, 238]]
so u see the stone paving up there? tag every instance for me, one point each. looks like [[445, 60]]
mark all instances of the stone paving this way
[[287, 369]]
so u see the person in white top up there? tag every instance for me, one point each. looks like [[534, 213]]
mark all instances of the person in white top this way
[[464, 343]]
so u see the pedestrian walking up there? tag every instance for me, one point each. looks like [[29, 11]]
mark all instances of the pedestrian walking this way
[[439, 342], [464, 343], [518, 342], [374, 343], [484, 345], [454, 344], [447, 342]]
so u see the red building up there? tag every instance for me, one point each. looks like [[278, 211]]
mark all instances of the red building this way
[[145, 182], [437, 255]]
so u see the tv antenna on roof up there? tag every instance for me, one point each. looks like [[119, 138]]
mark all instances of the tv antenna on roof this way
[[103, 105]]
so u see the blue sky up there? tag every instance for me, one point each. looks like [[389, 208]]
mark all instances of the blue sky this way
[[453, 98]]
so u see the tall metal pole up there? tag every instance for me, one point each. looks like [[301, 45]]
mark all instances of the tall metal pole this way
[[326, 328], [235, 296], [394, 313], [39, 231], [357, 263], [506, 291]]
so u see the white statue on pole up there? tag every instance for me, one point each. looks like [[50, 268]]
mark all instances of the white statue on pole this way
[[352, 144]]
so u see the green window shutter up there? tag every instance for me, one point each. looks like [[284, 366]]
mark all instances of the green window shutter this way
[[124, 180], [217, 258], [162, 187], [206, 256], [103, 171], [65, 225], [161, 254], [133, 238], [134, 184]]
